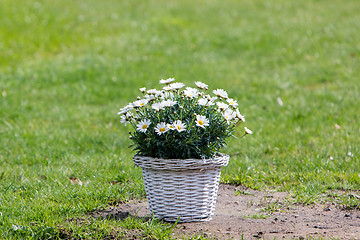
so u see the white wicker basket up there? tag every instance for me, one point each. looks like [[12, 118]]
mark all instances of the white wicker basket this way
[[185, 188]]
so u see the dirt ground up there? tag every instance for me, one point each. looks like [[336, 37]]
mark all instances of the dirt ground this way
[[251, 214]]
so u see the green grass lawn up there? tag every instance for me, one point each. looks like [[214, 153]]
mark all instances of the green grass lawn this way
[[66, 67]]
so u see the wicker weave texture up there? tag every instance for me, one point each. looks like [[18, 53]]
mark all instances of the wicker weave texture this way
[[176, 191]]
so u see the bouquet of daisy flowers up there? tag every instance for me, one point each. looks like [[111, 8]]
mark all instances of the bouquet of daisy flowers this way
[[179, 122]]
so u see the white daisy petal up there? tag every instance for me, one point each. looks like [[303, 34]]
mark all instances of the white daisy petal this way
[[247, 131], [239, 116]]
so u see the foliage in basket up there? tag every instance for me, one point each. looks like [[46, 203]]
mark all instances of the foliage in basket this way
[[180, 123]]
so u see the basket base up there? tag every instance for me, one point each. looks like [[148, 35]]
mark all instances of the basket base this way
[[185, 196]]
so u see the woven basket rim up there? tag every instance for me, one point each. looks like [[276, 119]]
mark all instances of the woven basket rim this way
[[181, 164]]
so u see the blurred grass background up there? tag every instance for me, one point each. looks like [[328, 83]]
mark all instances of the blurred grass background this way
[[66, 67]]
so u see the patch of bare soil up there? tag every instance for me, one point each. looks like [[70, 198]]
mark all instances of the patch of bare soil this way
[[251, 214]]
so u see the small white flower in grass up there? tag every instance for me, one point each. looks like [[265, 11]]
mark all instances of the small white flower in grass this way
[[179, 126], [140, 103], [221, 93], [232, 102], [239, 116], [161, 128], [143, 125], [157, 106], [143, 90], [350, 154], [201, 121], [168, 103], [177, 85], [167, 81], [201, 85], [222, 105], [191, 92], [247, 131], [228, 115]]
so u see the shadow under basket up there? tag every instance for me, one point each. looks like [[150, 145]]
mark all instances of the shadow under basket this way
[[182, 189]]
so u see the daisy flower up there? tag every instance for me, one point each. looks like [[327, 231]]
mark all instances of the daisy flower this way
[[125, 109], [211, 100], [126, 118], [168, 103], [191, 92], [239, 116], [167, 95], [247, 131], [177, 85], [161, 128], [143, 125], [222, 105], [167, 81], [201, 121], [153, 92], [179, 126], [201, 85], [149, 97], [157, 106], [203, 101], [221, 93], [170, 126], [232, 102], [140, 103], [143, 90], [228, 115], [167, 88]]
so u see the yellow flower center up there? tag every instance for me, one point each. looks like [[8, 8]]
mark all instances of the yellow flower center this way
[[162, 129], [142, 104], [178, 127], [144, 126], [201, 122]]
